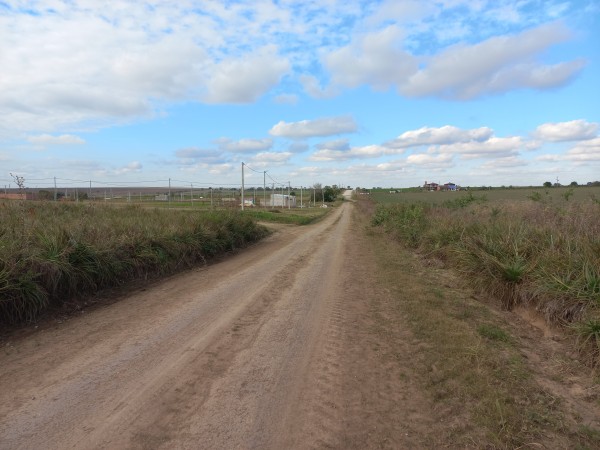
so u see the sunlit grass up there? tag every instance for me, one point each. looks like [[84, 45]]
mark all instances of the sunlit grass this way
[[52, 252], [542, 254]]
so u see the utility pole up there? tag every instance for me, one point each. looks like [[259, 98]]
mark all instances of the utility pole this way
[[289, 199], [242, 186], [169, 192], [265, 189], [54, 188]]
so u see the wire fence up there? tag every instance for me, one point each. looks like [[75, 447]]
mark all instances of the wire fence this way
[[270, 193]]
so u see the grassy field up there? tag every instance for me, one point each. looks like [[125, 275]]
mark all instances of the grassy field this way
[[542, 251], [294, 216], [548, 195], [53, 252]]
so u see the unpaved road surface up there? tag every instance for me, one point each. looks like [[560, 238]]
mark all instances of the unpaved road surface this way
[[262, 350]]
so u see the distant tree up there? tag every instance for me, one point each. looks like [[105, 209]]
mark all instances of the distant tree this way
[[330, 193], [547, 184], [573, 183]]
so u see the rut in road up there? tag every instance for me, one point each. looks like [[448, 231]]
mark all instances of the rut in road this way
[[216, 358]]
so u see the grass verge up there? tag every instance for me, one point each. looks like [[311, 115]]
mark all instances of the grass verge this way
[[295, 216], [51, 253], [545, 256], [470, 361]]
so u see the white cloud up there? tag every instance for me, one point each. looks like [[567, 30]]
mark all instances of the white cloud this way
[[375, 59], [74, 67], [573, 130], [508, 162], [298, 147], [244, 80], [313, 88], [222, 169], [460, 72], [286, 99], [133, 166], [494, 147], [80, 64], [390, 166], [548, 158], [401, 11], [194, 155], [435, 136], [244, 145], [63, 139], [496, 65], [328, 126], [431, 161], [585, 151], [272, 157], [338, 144], [367, 151], [217, 169]]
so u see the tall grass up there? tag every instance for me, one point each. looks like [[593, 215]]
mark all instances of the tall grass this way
[[522, 252], [51, 253]]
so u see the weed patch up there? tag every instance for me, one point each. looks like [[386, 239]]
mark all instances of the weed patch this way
[[542, 254], [493, 333], [71, 250]]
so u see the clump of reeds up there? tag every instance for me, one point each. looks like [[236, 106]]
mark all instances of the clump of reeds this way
[[544, 255], [71, 250]]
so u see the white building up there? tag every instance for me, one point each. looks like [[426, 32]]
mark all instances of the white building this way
[[283, 200]]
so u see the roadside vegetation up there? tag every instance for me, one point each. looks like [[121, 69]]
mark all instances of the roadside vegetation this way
[[52, 252], [541, 194], [492, 384], [543, 253], [294, 216]]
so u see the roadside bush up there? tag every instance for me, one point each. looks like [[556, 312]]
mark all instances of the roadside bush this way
[[58, 252], [406, 221]]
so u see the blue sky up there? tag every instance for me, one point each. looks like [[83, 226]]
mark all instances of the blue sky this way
[[360, 93]]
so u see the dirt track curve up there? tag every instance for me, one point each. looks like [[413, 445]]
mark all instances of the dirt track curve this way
[[247, 353]]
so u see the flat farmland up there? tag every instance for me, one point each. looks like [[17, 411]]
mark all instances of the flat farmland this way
[[553, 194], [330, 335]]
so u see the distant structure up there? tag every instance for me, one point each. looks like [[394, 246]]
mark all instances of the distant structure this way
[[22, 196], [432, 187], [450, 187], [283, 200]]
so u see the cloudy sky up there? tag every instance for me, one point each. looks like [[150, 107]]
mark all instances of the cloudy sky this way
[[361, 93]]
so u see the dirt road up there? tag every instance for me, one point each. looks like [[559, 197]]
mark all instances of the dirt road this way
[[251, 352]]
